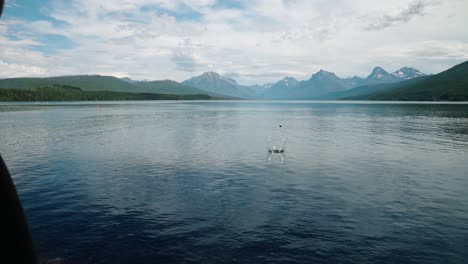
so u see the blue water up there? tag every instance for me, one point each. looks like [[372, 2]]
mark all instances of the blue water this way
[[193, 182]]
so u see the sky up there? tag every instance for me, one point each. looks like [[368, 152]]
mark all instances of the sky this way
[[253, 42]]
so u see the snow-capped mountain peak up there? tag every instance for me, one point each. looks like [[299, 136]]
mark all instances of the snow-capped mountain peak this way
[[407, 73], [378, 73], [288, 81]]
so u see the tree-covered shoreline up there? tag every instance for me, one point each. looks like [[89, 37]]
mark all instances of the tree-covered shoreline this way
[[69, 93]]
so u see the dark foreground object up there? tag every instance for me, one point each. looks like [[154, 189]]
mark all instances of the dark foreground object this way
[[15, 239], [276, 151]]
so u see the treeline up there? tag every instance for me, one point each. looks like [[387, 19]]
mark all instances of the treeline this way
[[69, 93], [422, 96]]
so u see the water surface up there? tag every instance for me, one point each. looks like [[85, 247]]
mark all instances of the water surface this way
[[192, 181]]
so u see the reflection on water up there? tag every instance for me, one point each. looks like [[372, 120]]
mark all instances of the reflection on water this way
[[276, 157], [193, 182]]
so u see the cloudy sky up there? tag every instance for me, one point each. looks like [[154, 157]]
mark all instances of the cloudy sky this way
[[255, 41]]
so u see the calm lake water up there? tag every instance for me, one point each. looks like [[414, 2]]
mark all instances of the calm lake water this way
[[192, 182]]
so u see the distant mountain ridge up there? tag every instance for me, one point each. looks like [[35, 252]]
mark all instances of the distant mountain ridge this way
[[449, 85], [407, 73], [213, 82], [321, 85], [317, 86], [324, 83], [281, 88]]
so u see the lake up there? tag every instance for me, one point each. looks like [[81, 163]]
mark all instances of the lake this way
[[193, 182]]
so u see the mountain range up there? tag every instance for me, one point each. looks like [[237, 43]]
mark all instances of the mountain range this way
[[379, 84], [318, 86], [212, 82], [324, 83], [449, 85]]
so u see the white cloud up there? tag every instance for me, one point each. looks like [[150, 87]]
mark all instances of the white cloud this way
[[261, 42], [18, 70]]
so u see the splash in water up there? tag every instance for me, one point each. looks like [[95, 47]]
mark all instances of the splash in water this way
[[276, 143]]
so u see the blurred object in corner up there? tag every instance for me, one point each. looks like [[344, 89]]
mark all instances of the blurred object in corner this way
[[1, 6]]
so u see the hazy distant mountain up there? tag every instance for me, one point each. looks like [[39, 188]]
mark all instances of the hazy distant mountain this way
[[281, 89], [260, 89], [169, 87], [326, 85], [450, 85], [354, 81], [365, 90], [407, 73], [320, 83], [287, 82], [379, 75], [212, 82], [126, 79], [379, 80]]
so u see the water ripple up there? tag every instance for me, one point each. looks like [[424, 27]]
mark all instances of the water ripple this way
[[191, 182]]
